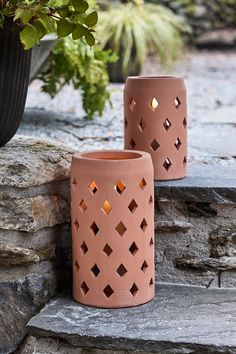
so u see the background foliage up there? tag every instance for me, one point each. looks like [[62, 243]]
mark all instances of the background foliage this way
[[85, 68]]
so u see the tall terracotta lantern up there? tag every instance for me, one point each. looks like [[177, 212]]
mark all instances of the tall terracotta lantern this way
[[112, 228], [155, 121]]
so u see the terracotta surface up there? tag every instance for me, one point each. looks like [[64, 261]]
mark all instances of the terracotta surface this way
[[155, 120], [113, 228]]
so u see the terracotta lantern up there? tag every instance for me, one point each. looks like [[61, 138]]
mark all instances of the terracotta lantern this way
[[112, 228], [155, 121]]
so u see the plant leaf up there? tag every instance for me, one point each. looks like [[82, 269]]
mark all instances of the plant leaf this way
[[79, 32], [80, 5], [29, 37], [90, 39], [91, 19], [64, 28], [40, 27]]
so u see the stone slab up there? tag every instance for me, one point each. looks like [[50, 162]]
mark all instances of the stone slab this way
[[180, 320], [205, 183], [19, 301], [27, 162]]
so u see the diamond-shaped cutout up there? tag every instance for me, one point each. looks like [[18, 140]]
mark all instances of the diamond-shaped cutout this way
[[177, 143], [167, 124], [142, 184], [76, 224], [132, 143], [185, 122], [155, 145], [142, 125], [94, 228], [132, 103], [151, 243], [106, 207], [120, 187], [151, 282], [133, 249], [84, 288], [83, 206], [84, 248], [120, 228], [77, 267], [74, 181], [108, 291], [167, 164], [126, 123], [134, 290], [184, 160], [177, 102], [95, 270], [150, 199], [132, 206], [143, 224], [121, 270], [144, 267], [93, 187], [107, 250], [153, 104]]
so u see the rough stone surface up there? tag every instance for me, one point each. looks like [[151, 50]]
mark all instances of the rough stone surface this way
[[32, 214], [34, 224], [33, 345], [19, 301], [27, 162], [179, 320], [205, 183], [200, 254]]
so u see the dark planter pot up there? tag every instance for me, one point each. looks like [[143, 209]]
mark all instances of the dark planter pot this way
[[116, 74], [115, 71], [14, 79]]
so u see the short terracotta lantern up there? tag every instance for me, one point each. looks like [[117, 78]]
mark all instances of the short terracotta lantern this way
[[112, 228], [155, 121]]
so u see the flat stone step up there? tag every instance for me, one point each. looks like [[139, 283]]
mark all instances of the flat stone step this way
[[181, 319]]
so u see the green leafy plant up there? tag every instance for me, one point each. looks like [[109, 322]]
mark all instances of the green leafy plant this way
[[36, 18], [134, 28], [86, 68]]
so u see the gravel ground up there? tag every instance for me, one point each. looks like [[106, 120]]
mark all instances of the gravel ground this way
[[210, 80]]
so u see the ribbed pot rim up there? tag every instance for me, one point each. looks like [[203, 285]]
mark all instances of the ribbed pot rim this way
[[112, 156]]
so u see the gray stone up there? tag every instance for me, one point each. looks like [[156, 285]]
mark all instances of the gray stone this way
[[172, 226], [209, 242], [33, 345], [179, 320], [33, 214], [221, 38], [34, 227], [20, 256], [222, 263], [19, 301], [223, 242], [205, 183], [26, 162]]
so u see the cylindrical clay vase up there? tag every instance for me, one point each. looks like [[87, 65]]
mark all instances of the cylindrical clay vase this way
[[155, 121], [112, 228]]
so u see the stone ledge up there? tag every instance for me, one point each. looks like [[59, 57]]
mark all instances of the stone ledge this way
[[205, 183], [180, 319]]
